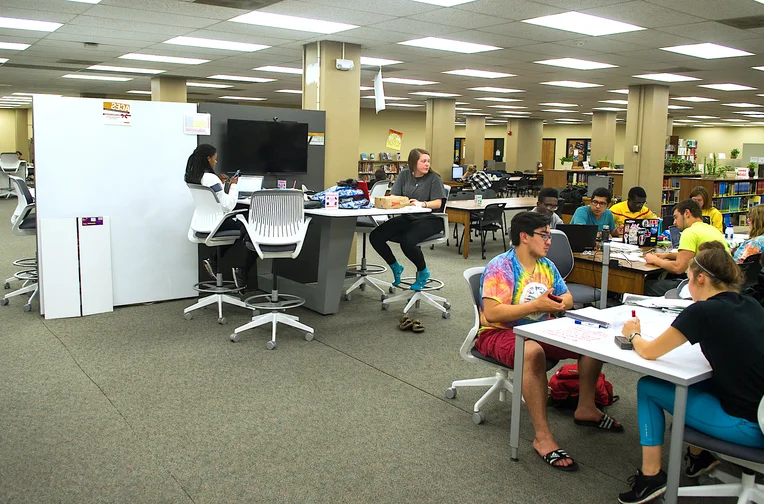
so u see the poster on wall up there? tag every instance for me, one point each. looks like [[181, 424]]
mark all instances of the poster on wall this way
[[117, 113], [315, 138], [394, 139], [196, 124]]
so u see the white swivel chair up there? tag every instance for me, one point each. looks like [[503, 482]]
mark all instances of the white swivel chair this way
[[750, 460], [500, 383], [561, 255], [205, 224], [276, 227], [10, 164], [24, 222], [366, 225]]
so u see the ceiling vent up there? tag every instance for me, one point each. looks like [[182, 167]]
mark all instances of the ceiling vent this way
[[238, 4], [744, 23], [42, 67], [78, 62], [678, 70]]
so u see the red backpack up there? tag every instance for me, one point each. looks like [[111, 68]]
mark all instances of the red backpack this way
[[563, 389]]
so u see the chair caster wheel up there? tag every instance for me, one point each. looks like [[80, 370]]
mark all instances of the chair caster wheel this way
[[384, 305], [391, 289], [222, 321], [4, 302], [417, 304], [255, 313], [234, 338], [27, 308], [450, 393], [270, 345], [309, 336], [348, 297], [363, 287], [6, 286], [188, 316], [447, 305], [382, 297], [446, 315], [478, 417]]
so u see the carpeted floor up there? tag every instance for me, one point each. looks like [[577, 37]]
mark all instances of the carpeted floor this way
[[140, 405]]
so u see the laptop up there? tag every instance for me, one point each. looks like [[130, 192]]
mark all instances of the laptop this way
[[582, 237], [249, 184], [642, 232], [675, 234]]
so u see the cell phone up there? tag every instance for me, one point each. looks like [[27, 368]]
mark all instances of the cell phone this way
[[236, 174], [624, 343], [556, 299]]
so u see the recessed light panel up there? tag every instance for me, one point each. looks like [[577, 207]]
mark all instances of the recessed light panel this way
[[489, 89], [136, 91], [572, 84], [242, 98], [507, 107], [367, 88], [609, 109], [462, 109], [280, 69], [365, 60], [435, 94], [476, 114], [28, 24], [86, 1], [619, 91], [703, 117], [216, 44], [241, 78], [13, 46], [441, 44], [208, 85], [678, 107], [558, 104], [559, 111], [483, 74], [735, 120], [666, 77], [741, 105], [727, 87], [615, 102], [707, 50], [163, 59], [586, 24], [412, 82], [107, 68], [391, 98], [269, 19], [408, 105], [445, 3], [289, 91], [97, 77], [35, 94], [695, 99], [576, 64], [3, 60], [497, 99]]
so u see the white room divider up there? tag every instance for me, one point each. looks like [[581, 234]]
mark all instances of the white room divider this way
[[93, 158]]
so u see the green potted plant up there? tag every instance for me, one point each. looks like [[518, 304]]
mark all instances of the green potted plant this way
[[734, 153], [566, 162], [604, 162], [752, 169]]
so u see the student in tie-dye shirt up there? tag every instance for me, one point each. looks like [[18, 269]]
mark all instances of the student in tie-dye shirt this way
[[755, 242], [515, 289]]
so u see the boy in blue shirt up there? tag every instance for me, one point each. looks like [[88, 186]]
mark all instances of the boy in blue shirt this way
[[597, 212]]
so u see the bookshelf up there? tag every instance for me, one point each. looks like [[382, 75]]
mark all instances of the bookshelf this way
[[670, 193], [366, 169], [732, 197], [681, 148]]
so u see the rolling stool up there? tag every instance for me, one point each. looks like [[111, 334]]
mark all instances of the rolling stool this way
[[24, 222]]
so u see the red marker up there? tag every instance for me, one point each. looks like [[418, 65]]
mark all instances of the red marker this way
[[633, 313]]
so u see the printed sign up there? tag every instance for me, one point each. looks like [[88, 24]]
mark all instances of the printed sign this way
[[196, 124], [282, 184], [92, 221], [394, 139], [315, 139], [117, 113], [741, 173], [332, 200]]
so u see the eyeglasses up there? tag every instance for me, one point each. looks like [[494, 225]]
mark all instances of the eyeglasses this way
[[547, 237], [551, 206], [599, 203]]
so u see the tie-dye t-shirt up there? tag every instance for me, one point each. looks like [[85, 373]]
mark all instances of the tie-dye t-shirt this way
[[506, 281], [750, 247]]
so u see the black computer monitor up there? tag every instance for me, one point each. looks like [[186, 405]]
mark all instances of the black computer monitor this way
[[457, 172], [581, 236]]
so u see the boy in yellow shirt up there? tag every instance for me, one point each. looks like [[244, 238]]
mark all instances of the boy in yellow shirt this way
[[633, 208]]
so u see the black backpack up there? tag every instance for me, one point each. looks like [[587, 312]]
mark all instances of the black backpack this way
[[573, 195]]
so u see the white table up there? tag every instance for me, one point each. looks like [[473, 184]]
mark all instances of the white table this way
[[683, 366]]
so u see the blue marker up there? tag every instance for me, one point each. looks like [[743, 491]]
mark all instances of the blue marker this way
[[588, 324]]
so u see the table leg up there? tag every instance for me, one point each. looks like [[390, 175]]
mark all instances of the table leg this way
[[467, 235], [517, 398], [675, 449]]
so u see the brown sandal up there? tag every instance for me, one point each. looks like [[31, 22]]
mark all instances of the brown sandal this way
[[417, 326], [405, 323]]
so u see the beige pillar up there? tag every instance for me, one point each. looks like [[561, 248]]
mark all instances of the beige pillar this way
[[338, 93], [603, 137], [646, 122], [523, 147], [475, 139], [669, 127], [22, 137], [168, 89], [439, 135]]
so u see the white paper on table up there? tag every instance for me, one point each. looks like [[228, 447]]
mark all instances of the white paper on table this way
[[653, 322]]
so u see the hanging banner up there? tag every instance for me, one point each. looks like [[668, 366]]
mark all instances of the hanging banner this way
[[379, 92], [394, 139], [117, 113]]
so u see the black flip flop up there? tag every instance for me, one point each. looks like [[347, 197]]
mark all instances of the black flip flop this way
[[559, 454], [605, 423]]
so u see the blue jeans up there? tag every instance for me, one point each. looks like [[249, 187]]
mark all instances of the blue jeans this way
[[704, 414]]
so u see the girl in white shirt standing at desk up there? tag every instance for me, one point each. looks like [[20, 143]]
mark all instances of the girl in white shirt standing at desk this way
[[727, 327]]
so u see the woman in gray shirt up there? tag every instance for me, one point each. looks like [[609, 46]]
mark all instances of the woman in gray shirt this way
[[424, 188]]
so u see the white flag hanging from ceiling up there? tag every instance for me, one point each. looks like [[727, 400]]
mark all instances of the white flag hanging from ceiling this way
[[379, 92]]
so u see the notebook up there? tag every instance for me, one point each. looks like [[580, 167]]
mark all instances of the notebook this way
[[249, 184]]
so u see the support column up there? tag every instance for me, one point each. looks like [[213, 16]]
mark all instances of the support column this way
[[168, 89], [669, 126], [475, 139], [22, 129], [439, 135], [603, 137], [646, 121], [523, 147], [338, 93]]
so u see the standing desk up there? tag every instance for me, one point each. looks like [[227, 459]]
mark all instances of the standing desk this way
[[683, 366], [625, 278], [459, 212]]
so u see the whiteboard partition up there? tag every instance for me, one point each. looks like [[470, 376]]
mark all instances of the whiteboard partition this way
[[89, 163]]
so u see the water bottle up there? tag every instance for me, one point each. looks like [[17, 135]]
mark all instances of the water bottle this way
[[605, 233], [729, 232]]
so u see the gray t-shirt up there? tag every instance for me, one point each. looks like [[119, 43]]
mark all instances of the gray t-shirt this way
[[555, 218], [426, 188]]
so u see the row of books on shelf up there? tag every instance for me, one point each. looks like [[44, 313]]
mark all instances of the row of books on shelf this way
[[733, 188], [737, 204], [370, 176], [383, 156], [578, 178]]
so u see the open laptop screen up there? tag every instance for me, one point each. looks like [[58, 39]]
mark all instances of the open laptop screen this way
[[249, 184]]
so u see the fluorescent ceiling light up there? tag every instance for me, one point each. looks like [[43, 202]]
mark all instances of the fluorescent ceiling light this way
[[280, 69], [759, 67], [475, 114], [484, 74], [435, 94], [391, 98], [558, 104], [577, 64], [208, 85], [497, 121], [107, 68], [441, 44], [735, 120], [589, 113], [445, 3], [289, 91], [20, 99], [751, 113], [365, 60], [489, 89], [97, 77], [619, 91], [586, 24], [703, 117], [571, 84], [615, 102], [685, 121], [3, 60], [216, 44], [367, 88], [460, 124], [34, 94], [403, 105], [292, 22], [568, 120], [13, 46], [462, 109], [609, 109], [696, 99], [240, 78], [707, 50], [507, 107], [497, 99], [666, 77], [514, 112], [559, 111], [678, 107], [727, 87], [741, 105], [515, 117], [28, 24], [136, 91], [461, 103], [242, 98], [86, 1], [413, 82], [163, 59]]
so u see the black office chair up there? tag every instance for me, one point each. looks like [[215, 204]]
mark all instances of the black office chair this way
[[523, 186], [561, 255], [490, 219], [751, 269]]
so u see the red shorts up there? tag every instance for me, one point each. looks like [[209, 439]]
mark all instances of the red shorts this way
[[500, 345]]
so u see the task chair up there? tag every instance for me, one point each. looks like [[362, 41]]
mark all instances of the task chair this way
[[23, 223], [10, 165], [491, 219], [500, 383], [561, 255], [750, 460], [205, 228], [364, 226], [276, 229], [751, 269], [415, 298]]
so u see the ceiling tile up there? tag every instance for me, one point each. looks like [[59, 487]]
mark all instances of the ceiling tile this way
[[510, 9], [646, 14], [455, 17]]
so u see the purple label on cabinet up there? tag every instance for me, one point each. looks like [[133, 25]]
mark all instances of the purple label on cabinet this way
[[92, 221]]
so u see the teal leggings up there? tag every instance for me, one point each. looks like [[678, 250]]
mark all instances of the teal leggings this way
[[704, 414]]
